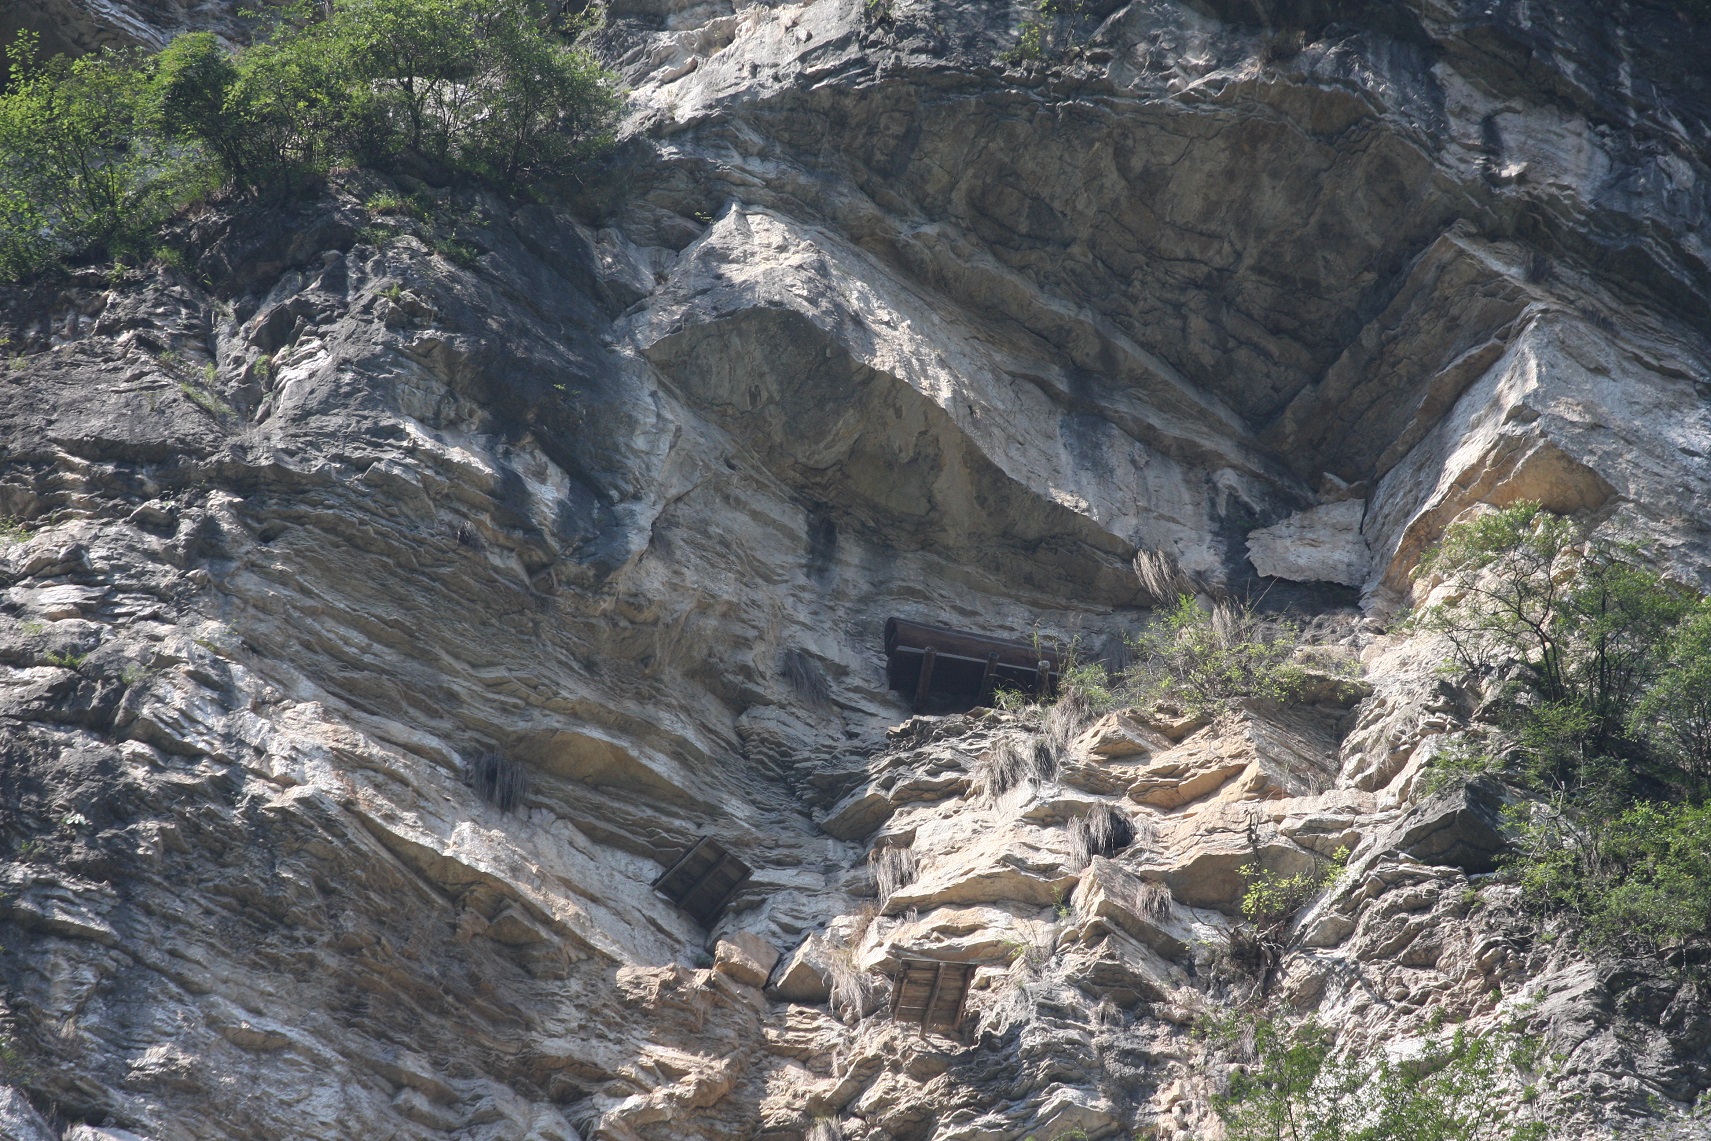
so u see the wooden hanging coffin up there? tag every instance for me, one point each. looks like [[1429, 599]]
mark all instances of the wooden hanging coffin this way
[[703, 881], [931, 993], [946, 668]]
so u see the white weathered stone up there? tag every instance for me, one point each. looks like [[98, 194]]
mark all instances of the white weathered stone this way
[[745, 957], [19, 1120], [1321, 544]]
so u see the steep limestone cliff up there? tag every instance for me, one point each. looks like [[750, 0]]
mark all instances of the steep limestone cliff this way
[[869, 316]]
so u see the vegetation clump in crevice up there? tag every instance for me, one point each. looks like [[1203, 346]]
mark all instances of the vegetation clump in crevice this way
[[1048, 30], [894, 868], [97, 153], [1594, 677], [853, 991], [1272, 899], [499, 781], [1196, 656], [1100, 831], [1202, 658]]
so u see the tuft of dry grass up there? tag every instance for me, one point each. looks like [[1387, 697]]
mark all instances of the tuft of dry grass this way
[[1152, 900], [1161, 577], [1102, 831], [1070, 714], [1013, 762], [893, 869], [803, 675], [501, 782], [853, 989]]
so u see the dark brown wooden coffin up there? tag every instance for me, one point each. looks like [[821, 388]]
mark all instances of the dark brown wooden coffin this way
[[703, 881], [944, 669], [931, 993]]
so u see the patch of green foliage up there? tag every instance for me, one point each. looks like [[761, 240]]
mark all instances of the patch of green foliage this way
[[1273, 899], [1203, 658], [456, 250], [1639, 879], [206, 401], [1597, 673], [1459, 759], [1047, 28], [489, 90], [83, 169], [1570, 628], [386, 202], [1193, 658], [96, 153], [1673, 716], [15, 1068], [1292, 1086]]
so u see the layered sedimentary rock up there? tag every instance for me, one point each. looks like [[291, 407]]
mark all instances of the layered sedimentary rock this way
[[868, 315]]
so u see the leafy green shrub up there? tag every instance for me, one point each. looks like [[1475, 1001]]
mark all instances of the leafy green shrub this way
[[1603, 678], [1675, 713], [386, 202], [1048, 27], [1272, 899], [1203, 659], [462, 87], [96, 153], [1571, 628], [1293, 1087], [81, 169], [1640, 881], [1458, 760]]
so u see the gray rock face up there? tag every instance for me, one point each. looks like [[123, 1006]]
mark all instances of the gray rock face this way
[[1321, 544], [869, 321], [19, 1120], [1459, 829]]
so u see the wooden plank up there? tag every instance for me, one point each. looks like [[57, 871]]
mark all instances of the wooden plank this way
[[703, 881], [923, 986], [724, 858], [933, 996], [661, 884], [909, 978], [904, 635], [988, 679], [725, 899], [929, 658]]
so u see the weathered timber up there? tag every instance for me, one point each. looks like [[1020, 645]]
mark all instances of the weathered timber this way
[[931, 993], [948, 669], [703, 880]]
